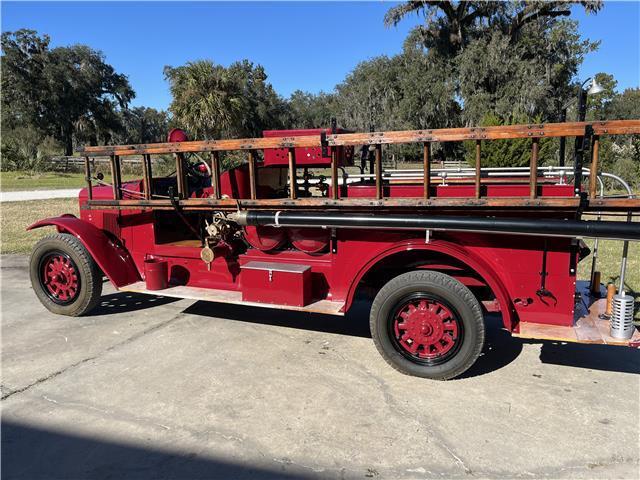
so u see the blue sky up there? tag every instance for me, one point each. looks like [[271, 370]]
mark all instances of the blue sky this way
[[309, 46]]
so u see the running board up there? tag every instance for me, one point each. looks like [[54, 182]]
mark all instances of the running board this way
[[226, 296], [588, 328]]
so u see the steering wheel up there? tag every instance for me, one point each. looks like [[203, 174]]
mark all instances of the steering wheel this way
[[199, 169]]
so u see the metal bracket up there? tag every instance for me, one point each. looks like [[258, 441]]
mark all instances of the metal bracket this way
[[582, 145], [334, 241], [543, 293], [324, 144], [573, 258], [588, 134], [584, 203]]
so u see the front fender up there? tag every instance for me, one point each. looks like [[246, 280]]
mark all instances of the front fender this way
[[114, 260]]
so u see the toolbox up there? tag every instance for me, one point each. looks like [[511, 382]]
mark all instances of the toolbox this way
[[276, 283]]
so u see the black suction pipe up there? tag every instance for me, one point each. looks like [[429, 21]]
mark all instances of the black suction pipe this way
[[514, 226]]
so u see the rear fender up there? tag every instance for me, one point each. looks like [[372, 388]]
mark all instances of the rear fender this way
[[114, 260], [453, 250]]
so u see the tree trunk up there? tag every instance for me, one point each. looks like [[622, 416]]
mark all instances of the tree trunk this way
[[68, 141]]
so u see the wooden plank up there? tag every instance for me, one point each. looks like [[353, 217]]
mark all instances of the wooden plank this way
[[631, 204], [533, 175], [502, 203], [616, 127], [180, 176], [610, 127], [478, 172], [426, 169], [483, 133], [145, 177], [253, 181], [87, 176], [543, 331], [150, 175], [229, 296], [293, 185], [215, 174], [587, 331], [114, 177], [593, 170]]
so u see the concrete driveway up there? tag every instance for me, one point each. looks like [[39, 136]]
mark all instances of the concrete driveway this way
[[155, 388], [25, 195]]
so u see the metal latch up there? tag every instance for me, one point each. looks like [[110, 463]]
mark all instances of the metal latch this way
[[271, 275]]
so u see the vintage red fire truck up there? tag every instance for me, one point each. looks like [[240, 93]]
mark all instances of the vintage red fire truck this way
[[298, 227]]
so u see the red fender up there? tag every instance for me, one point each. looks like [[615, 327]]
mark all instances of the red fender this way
[[453, 250], [114, 260]]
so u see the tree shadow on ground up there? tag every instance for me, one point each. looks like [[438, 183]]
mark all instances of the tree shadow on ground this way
[[32, 453], [122, 302], [610, 358], [500, 347], [351, 324]]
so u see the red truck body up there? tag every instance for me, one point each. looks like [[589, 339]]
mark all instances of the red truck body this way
[[506, 267], [530, 280]]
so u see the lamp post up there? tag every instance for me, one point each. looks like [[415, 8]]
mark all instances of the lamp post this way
[[594, 88], [580, 143]]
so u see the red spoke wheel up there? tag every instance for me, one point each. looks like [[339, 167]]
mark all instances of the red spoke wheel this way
[[426, 329], [59, 277], [427, 324], [64, 276]]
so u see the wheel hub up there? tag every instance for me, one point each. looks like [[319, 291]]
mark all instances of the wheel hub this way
[[426, 328], [60, 278]]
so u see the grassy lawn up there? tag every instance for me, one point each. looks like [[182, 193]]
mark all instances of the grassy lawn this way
[[609, 255], [17, 216], [47, 180]]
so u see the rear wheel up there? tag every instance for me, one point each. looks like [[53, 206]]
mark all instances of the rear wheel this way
[[65, 278], [427, 324]]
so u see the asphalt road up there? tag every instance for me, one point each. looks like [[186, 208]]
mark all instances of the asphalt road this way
[[157, 388]]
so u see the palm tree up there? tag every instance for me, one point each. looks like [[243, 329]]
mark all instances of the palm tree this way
[[206, 101]]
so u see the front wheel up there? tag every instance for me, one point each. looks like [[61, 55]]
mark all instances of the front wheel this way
[[427, 324], [64, 276]]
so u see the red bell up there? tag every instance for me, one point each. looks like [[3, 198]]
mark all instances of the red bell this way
[[177, 135]]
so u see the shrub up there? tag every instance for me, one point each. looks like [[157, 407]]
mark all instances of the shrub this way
[[509, 153], [25, 148]]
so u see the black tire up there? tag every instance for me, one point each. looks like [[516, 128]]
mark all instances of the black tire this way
[[448, 296], [80, 294]]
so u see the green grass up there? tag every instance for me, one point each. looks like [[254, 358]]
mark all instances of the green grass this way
[[17, 216], [40, 181], [608, 264], [11, 181]]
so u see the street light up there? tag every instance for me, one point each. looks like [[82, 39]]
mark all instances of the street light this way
[[594, 89]]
